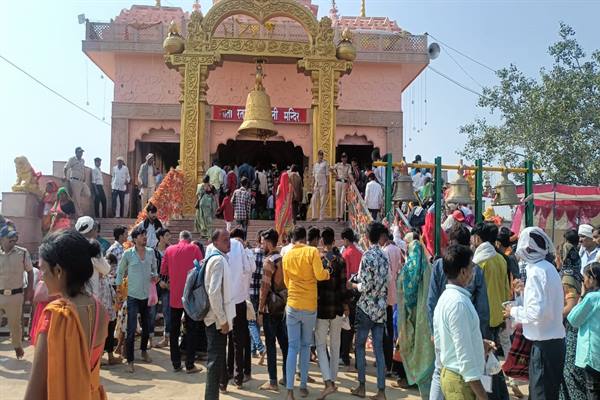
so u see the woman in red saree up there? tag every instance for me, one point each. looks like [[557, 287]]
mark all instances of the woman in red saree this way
[[283, 205], [72, 330], [63, 211]]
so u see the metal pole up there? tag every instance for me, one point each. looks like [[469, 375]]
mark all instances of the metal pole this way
[[553, 210], [438, 205], [528, 194], [389, 169], [479, 191]]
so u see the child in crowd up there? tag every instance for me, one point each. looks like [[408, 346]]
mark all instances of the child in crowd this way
[[227, 209]]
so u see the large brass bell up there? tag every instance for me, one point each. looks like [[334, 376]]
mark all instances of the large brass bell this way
[[403, 189], [258, 117], [506, 192], [458, 191]]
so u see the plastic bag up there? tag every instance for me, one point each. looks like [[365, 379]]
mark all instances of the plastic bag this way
[[492, 365], [152, 295]]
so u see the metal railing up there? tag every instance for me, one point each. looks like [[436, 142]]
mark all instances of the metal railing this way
[[365, 42]]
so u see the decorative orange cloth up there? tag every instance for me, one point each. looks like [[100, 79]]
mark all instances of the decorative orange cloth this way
[[71, 375]]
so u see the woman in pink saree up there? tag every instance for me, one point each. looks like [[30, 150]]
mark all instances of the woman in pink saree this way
[[283, 205], [63, 211]]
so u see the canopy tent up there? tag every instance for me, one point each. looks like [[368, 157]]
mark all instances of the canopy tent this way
[[560, 207]]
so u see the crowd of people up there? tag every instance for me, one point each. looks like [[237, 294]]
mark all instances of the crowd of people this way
[[438, 323]]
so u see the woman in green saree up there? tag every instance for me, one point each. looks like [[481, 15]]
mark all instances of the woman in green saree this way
[[414, 335], [205, 208]]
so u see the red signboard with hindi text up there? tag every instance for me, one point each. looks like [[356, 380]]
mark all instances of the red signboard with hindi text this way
[[281, 115]]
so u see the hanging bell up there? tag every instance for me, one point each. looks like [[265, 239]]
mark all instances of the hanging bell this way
[[458, 191], [258, 117], [403, 189], [506, 192]]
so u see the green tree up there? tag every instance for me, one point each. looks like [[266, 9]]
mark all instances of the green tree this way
[[553, 120]]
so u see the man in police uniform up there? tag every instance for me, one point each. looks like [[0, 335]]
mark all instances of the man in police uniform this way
[[14, 260], [319, 197], [342, 176], [74, 172]]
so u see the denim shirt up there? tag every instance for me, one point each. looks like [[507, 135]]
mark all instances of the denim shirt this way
[[477, 289]]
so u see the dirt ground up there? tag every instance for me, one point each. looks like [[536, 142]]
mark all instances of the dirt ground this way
[[158, 381]]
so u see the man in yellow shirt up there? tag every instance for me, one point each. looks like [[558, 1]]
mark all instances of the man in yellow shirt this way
[[302, 268]]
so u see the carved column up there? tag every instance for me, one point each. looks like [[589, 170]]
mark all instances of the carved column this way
[[194, 68], [325, 74]]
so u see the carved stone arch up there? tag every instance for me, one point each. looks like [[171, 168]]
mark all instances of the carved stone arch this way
[[261, 11]]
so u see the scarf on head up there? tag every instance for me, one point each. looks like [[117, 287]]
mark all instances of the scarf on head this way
[[485, 251], [529, 250]]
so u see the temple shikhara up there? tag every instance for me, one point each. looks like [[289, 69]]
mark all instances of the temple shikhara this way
[[181, 81]]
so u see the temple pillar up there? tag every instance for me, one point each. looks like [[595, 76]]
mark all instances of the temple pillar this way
[[394, 142], [325, 74], [194, 69]]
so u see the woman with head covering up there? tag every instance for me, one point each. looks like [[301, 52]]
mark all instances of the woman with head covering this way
[[283, 205], [541, 314], [63, 211], [414, 334], [573, 386]]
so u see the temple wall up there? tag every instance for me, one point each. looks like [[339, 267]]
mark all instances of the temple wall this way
[[144, 79]]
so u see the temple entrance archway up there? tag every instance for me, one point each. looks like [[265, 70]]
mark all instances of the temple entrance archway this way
[[205, 49], [261, 154]]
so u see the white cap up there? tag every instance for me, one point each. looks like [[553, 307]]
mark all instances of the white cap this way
[[149, 156], [84, 225], [120, 159], [586, 230]]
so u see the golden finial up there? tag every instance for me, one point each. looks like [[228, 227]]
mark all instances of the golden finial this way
[[196, 6], [173, 28], [363, 8], [347, 35]]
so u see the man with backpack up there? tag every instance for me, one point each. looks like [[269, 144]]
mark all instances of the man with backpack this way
[[177, 261], [221, 311], [271, 307]]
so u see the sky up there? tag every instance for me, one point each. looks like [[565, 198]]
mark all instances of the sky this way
[[44, 38]]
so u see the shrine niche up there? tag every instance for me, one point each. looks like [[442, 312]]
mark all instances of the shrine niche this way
[[206, 48]]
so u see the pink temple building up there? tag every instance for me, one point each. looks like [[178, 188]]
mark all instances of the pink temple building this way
[[146, 108]]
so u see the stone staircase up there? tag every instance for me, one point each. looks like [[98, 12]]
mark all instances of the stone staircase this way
[[177, 225]]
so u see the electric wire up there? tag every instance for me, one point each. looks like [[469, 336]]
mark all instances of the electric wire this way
[[52, 90], [463, 54], [455, 81]]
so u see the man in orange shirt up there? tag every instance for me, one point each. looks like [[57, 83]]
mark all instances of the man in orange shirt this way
[[302, 268]]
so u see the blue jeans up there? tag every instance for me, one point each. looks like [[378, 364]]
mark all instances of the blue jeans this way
[[300, 327], [255, 342], [363, 325], [135, 306]]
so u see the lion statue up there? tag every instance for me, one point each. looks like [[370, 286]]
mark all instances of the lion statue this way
[[27, 178]]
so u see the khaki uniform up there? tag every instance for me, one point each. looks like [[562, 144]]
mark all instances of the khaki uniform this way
[[75, 174], [342, 176], [12, 266], [320, 174]]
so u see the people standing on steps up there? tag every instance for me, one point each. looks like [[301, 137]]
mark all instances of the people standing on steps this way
[[341, 172], [98, 189], [320, 173], [120, 180], [74, 175], [147, 179]]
